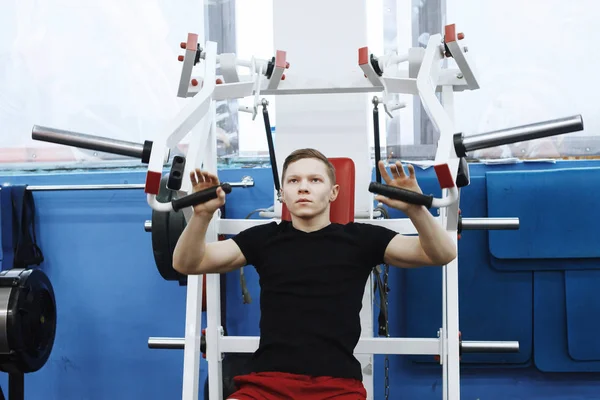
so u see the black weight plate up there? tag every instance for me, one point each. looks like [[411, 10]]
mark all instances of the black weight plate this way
[[29, 322], [177, 224], [166, 229]]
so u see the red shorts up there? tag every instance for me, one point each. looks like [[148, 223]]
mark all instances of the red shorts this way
[[284, 386]]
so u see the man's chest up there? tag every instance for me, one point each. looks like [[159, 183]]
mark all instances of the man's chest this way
[[317, 261]]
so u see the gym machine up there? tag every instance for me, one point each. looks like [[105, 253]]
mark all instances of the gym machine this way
[[168, 195], [426, 78]]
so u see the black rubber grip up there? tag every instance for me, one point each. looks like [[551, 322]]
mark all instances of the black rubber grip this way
[[405, 195], [199, 197]]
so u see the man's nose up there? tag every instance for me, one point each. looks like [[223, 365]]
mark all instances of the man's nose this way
[[303, 186]]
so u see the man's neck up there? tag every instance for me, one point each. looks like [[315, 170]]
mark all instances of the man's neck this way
[[312, 224]]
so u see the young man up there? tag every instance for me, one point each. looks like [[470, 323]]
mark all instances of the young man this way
[[312, 276]]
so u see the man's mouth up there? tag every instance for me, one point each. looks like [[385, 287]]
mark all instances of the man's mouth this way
[[303, 201]]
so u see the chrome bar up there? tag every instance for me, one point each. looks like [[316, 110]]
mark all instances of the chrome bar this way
[[248, 182], [490, 223], [522, 133], [124, 186], [166, 343], [489, 347], [364, 345], [85, 141], [249, 344]]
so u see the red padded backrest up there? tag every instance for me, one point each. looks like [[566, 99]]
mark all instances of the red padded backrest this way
[[342, 209]]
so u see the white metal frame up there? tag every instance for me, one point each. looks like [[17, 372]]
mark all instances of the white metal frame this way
[[431, 78]]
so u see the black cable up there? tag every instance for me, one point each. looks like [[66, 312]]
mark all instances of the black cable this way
[[376, 133], [271, 148]]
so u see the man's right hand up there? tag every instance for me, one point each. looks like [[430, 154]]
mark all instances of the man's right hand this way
[[203, 180]]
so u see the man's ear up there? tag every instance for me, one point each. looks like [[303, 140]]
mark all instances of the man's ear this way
[[335, 190]]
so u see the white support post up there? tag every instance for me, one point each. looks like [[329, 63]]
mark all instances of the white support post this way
[[213, 286], [443, 332], [443, 121], [451, 333], [191, 355], [449, 216]]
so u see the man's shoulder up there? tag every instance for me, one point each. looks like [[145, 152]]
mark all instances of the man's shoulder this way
[[356, 226], [266, 229], [365, 228]]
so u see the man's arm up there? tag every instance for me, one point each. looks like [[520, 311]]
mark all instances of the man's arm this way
[[432, 246], [193, 256]]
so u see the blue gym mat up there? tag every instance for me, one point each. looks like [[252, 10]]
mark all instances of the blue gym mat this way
[[558, 216], [583, 309], [554, 327], [493, 305]]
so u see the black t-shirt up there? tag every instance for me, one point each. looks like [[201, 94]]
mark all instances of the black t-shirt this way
[[312, 285]]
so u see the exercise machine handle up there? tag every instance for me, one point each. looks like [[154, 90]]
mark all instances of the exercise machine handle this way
[[405, 195], [91, 142], [199, 197], [464, 144]]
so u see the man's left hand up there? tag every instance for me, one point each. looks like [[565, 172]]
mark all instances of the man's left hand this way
[[401, 180]]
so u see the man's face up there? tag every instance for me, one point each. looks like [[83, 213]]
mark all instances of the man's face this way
[[307, 189]]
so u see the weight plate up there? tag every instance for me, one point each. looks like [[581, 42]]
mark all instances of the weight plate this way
[[28, 323], [166, 229]]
